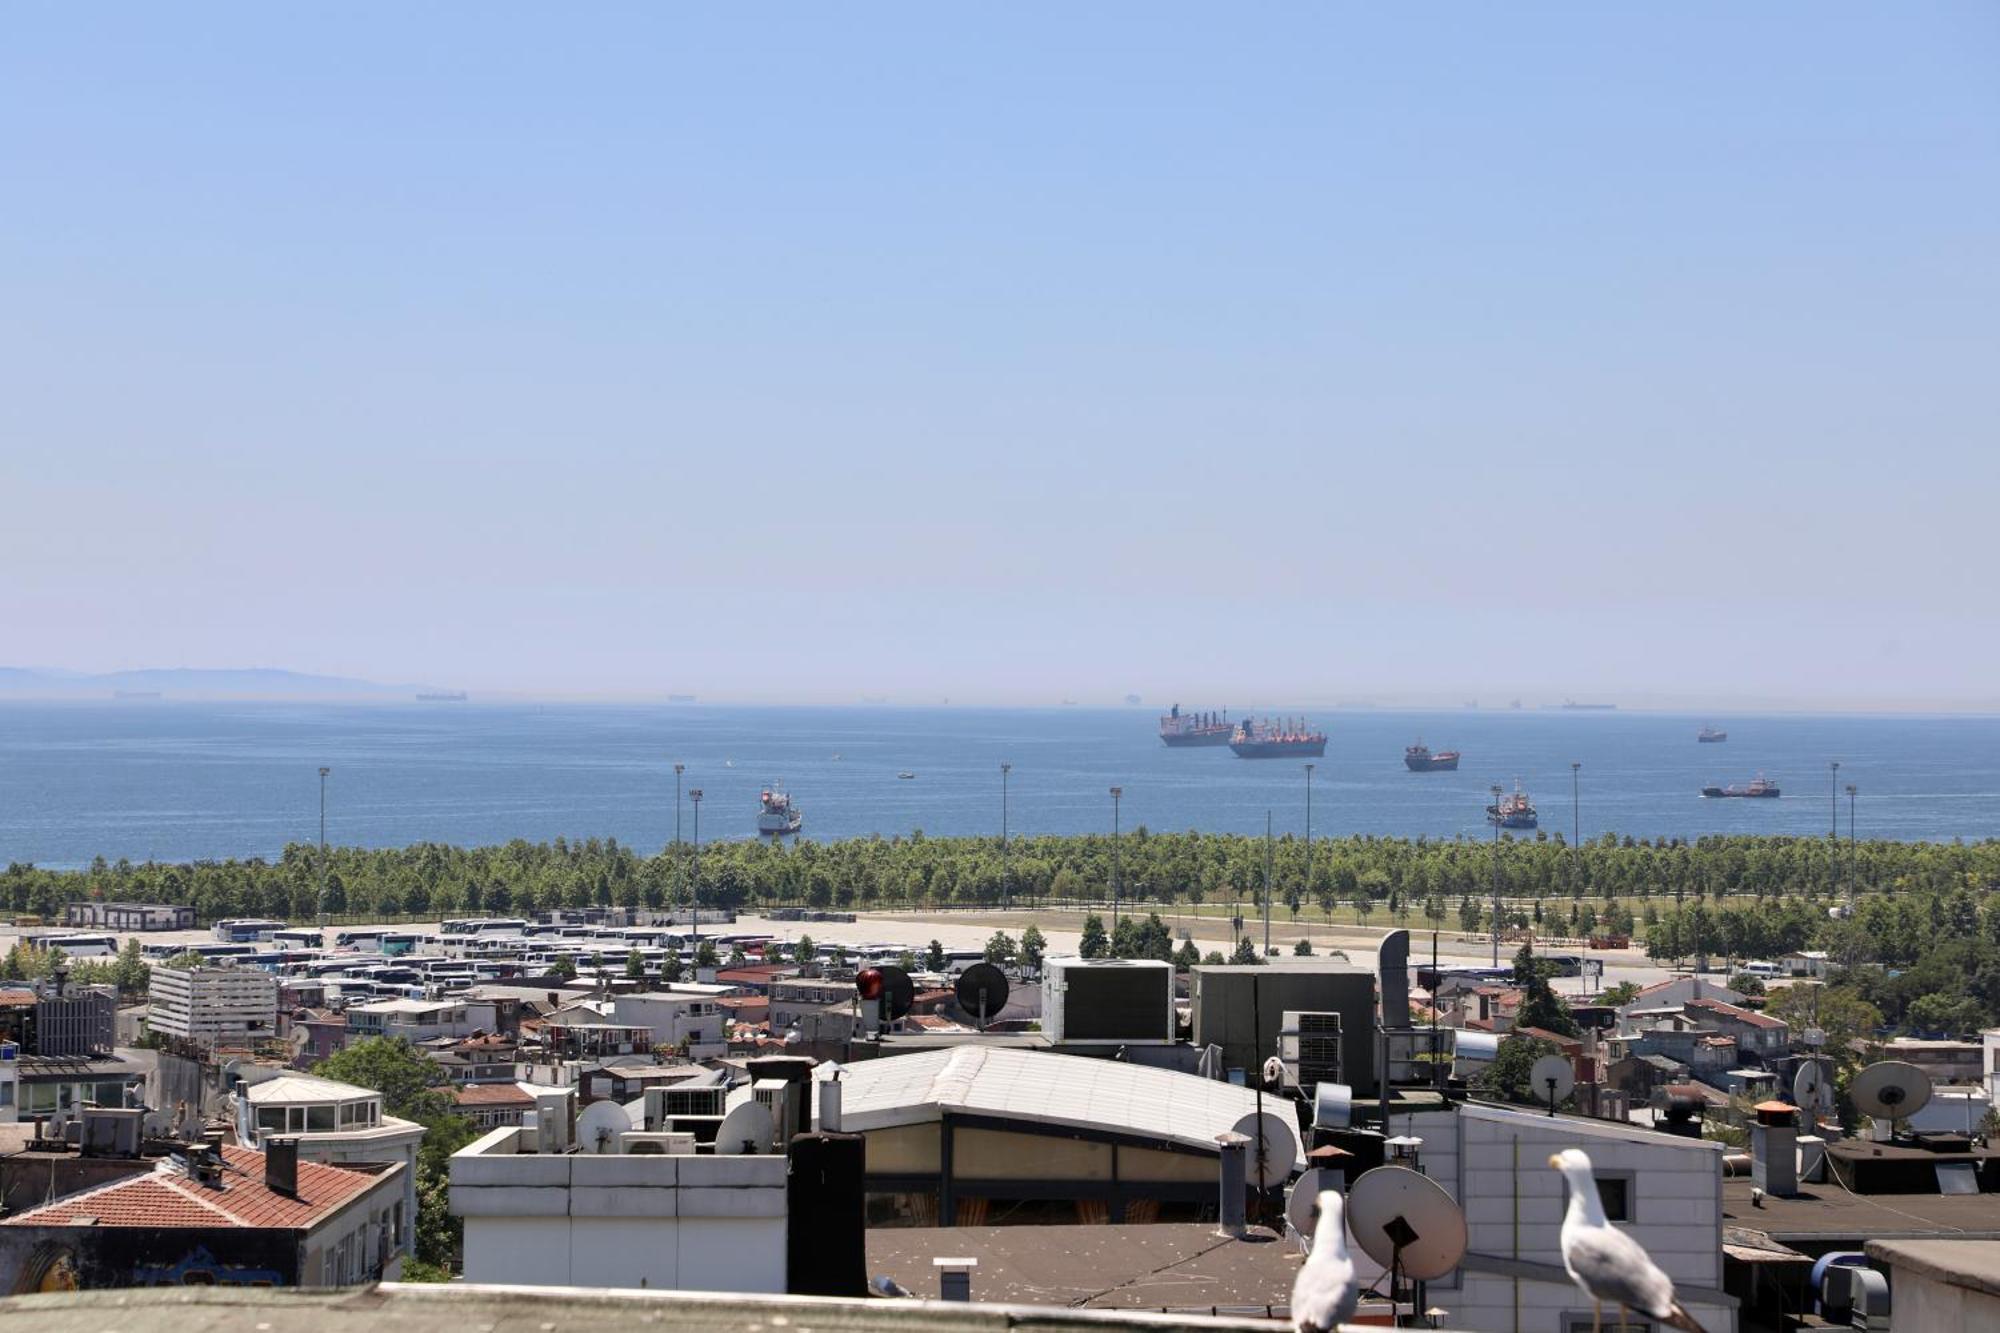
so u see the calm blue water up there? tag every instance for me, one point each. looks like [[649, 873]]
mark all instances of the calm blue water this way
[[175, 781]]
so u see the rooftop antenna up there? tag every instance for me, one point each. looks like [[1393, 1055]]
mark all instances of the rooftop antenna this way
[[982, 990], [1405, 1221], [1890, 1090], [1552, 1077]]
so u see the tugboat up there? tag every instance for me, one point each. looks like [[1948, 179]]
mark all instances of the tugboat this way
[[1761, 786], [1419, 759], [1709, 736], [1284, 739], [1179, 729], [778, 816], [1515, 811]]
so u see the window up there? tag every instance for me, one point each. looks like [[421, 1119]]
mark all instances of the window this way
[[1614, 1191], [271, 1118], [319, 1118]]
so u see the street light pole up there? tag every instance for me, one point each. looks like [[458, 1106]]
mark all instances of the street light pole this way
[[1006, 878], [1833, 834], [678, 770], [322, 844], [1117, 794], [1850, 844], [1496, 874], [694, 885], [1833, 797]]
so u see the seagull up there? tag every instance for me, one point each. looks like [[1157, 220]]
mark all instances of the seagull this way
[[1324, 1294], [1605, 1262]]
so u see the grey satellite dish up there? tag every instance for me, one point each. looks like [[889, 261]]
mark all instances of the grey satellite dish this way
[[1279, 1149], [1810, 1088], [899, 993], [598, 1126], [747, 1131], [1551, 1079], [1404, 1220], [982, 991], [1302, 1204], [1890, 1090], [1333, 1105]]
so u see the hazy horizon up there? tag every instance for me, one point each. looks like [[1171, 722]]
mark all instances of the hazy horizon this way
[[1010, 356]]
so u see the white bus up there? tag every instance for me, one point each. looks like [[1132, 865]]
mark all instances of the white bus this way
[[79, 946], [299, 937], [484, 925], [246, 929]]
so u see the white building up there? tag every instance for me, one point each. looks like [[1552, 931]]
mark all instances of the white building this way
[[413, 1020], [1662, 1190], [540, 1212], [215, 1006], [679, 1014], [333, 1122]]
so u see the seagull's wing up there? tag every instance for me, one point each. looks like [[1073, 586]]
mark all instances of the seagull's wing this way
[[1611, 1266], [1324, 1294]]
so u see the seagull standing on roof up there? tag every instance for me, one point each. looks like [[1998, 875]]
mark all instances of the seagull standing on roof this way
[[1324, 1293], [1608, 1264]]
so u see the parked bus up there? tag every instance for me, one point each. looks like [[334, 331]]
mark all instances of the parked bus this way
[[79, 946], [210, 953], [246, 930], [299, 937], [484, 925]]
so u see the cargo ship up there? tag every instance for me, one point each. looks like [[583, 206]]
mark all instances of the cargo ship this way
[[1710, 736], [1178, 729], [1285, 739], [1515, 811], [1419, 758], [1760, 786], [442, 697], [777, 815]]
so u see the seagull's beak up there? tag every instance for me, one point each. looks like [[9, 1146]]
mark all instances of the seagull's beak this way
[[1556, 1161]]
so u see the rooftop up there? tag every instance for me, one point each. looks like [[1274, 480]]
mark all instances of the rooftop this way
[[1828, 1212], [491, 1094], [1974, 1264], [288, 1088], [167, 1198], [1737, 1014]]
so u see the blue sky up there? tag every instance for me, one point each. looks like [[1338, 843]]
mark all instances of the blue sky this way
[[1009, 353]]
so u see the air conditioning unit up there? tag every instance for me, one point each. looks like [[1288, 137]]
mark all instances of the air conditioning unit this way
[[781, 1099], [663, 1104], [110, 1132], [648, 1144], [1309, 1044], [1123, 1000], [703, 1127]]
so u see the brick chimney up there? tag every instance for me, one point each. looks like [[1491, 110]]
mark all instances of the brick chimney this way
[[281, 1166]]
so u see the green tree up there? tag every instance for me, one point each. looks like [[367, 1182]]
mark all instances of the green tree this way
[[934, 959], [1095, 943], [1470, 914], [411, 1088], [1303, 949], [1001, 948], [705, 955], [1747, 983], [180, 962], [1033, 946], [1188, 956], [1246, 952], [1620, 995], [671, 969], [564, 967], [130, 973], [1540, 1007], [802, 952], [1507, 1076], [635, 966], [737, 958]]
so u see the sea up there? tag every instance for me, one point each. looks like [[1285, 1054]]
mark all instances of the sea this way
[[170, 780]]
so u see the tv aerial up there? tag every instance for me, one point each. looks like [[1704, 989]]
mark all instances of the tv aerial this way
[[1811, 1089], [982, 991], [1270, 1155], [598, 1126], [747, 1131], [1551, 1079], [1890, 1090], [1406, 1222], [890, 985]]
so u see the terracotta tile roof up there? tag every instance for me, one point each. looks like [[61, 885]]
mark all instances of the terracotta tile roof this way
[[491, 1094], [16, 997], [1736, 1014], [168, 1199]]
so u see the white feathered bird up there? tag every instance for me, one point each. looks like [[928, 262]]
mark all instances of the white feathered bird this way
[[1605, 1262], [1325, 1293]]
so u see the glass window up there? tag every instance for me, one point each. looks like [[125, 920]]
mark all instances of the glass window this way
[[6, 1094], [271, 1118], [319, 1118], [348, 1112], [295, 1117]]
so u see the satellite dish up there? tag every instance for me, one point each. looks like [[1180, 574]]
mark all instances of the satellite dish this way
[[982, 991], [1404, 1219], [1890, 1090], [1551, 1079], [1333, 1105], [1280, 1147], [1302, 1204], [598, 1126], [747, 1131], [899, 993], [1810, 1088]]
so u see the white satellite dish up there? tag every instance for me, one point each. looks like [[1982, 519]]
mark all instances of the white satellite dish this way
[[1302, 1204], [1404, 1219], [1810, 1088], [598, 1126], [1550, 1079], [1890, 1090], [1280, 1147], [1333, 1106], [747, 1131]]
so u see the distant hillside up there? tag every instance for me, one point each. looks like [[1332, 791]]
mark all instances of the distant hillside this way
[[190, 682]]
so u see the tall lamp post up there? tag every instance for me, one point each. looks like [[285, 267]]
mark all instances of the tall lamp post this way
[[1117, 795], [324, 770], [1006, 878], [694, 885], [678, 770], [1495, 815], [1833, 831], [1833, 797], [1850, 844]]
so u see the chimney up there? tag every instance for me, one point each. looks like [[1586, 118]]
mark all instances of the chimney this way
[[954, 1278], [1774, 1149], [1233, 1147], [829, 1104], [281, 1166]]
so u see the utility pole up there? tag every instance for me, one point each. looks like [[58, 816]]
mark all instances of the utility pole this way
[[1117, 794], [1006, 877], [1850, 846], [1496, 874], [678, 770], [1833, 832], [694, 884], [324, 770]]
